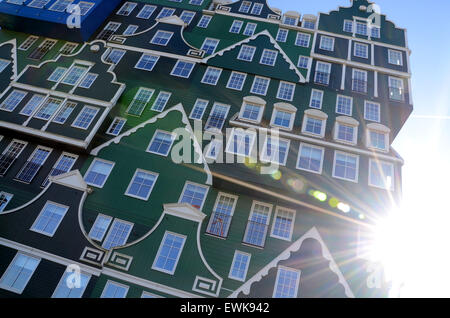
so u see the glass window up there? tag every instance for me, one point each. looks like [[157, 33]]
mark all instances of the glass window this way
[[68, 287], [257, 8], [395, 57], [162, 38], [310, 158], [381, 174], [28, 42], [98, 173], [146, 11], [309, 24], [282, 35], [210, 46], [246, 53], [290, 20], [286, 284], [194, 194], [142, 184], [161, 143], [372, 111], [239, 266], [326, 43], [68, 48], [127, 8], [361, 50], [32, 105], [48, 108], [359, 81], [346, 133], [204, 21], [49, 219], [169, 253], [269, 57], [344, 105], [139, 101], [182, 69], [322, 75], [187, 16], [99, 228], [211, 76], [275, 150], [348, 26], [250, 29], [74, 75], [19, 272], [63, 165], [199, 109], [283, 224], [378, 140], [161, 101], [396, 91], [57, 74], [88, 80], [251, 112], [116, 126], [241, 142], [245, 6], [236, 26], [114, 290], [220, 220], [165, 12], [5, 198], [33, 164], [361, 28], [38, 3], [118, 234], [13, 100], [260, 85], [108, 31], [236, 81], [147, 62], [346, 166], [217, 117], [10, 154], [258, 223], [282, 119], [286, 91], [85, 118], [316, 99], [375, 32], [303, 62], [302, 39]]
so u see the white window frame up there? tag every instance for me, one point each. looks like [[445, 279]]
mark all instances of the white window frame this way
[[217, 41], [81, 113], [254, 83], [230, 142], [322, 93], [278, 35], [366, 56], [365, 111], [5, 194], [260, 114], [300, 153], [142, 57], [357, 166], [323, 128], [92, 166], [278, 278], [178, 256], [293, 91], [240, 52], [153, 139], [172, 73], [197, 185], [390, 51], [111, 227], [106, 230], [156, 175], [369, 140], [214, 211], [391, 165], [291, 122], [243, 82], [203, 81], [306, 34], [241, 24], [230, 274], [250, 218], [61, 282], [40, 214], [112, 124], [14, 290], [354, 137], [351, 105], [263, 56], [204, 109], [156, 35], [111, 282], [322, 43], [291, 231]]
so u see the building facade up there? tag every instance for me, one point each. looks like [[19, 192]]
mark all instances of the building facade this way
[[199, 148]]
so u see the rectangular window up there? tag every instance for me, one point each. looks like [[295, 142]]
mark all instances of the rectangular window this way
[[33, 164], [251, 112], [32, 105], [344, 105], [49, 219], [257, 8], [85, 118], [57, 74], [210, 46], [395, 57], [239, 267], [236, 26], [161, 143], [161, 101], [99, 228], [310, 158], [42, 49], [283, 224], [326, 43], [275, 150], [322, 75], [246, 53], [98, 173], [316, 99], [63, 165], [19, 272], [241, 142], [361, 50], [258, 223], [74, 291], [290, 20], [217, 117], [396, 90], [269, 57], [169, 253], [5, 198], [194, 194], [114, 290], [314, 126], [236, 81], [142, 184], [64, 113], [359, 81], [13, 100], [378, 140], [162, 38], [165, 12], [372, 111], [220, 220], [146, 11], [182, 69], [199, 109], [245, 6], [204, 21], [286, 91], [88, 80], [345, 166], [250, 29], [282, 119], [196, 2], [348, 26], [187, 16], [346, 133], [118, 234], [361, 28], [381, 174], [211, 76], [115, 56], [28, 42], [108, 31], [282, 35], [309, 24], [130, 30], [10, 154], [286, 283], [303, 62], [260, 85], [74, 75], [39, 4], [375, 32], [116, 126], [302, 39], [127, 8], [139, 101], [85, 7]]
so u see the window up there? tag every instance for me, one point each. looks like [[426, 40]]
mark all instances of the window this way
[[13, 100], [302, 39], [28, 43], [161, 143], [127, 8], [64, 291], [32, 105], [38, 3], [10, 154], [194, 194], [108, 31], [361, 28], [236, 26], [316, 99], [282, 118], [118, 234], [33, 164], [210, 45], [212, 75], [3, 64], [114, 290], [49, 219], [88, 80], [286, 91], [220, 220], [5, 198], [395, 57], [85, 118], [99, 228], [322, 75], [146, 11], [346, 131], [199, 109], [290, 20], [241, 142], [258, 223], [326, 43], [309, 24], [275, 150], [196, 2], [303, 62], [283, 224], [246, 53], [250, 29], [378, 140], [314, 123], [375, 32], [139, 101], [348, 26], [42, 49], [282, 35], [236, 81], [85, 7], [74, 75], [286, 283], [19, 272], [130, 30], [344, 105], [63, 165], [361, 50], [116, 126], [396, 91], [245, 6], [310, 158], [217, 117], [98, 173], [372, 111], [257, 8], [57, 74], [269, 57], [251, 112], [260, 85], [142, 184], [161, 101], [182, 69], [204, 21], [169, 253], [345, 166], [162, 38], [381, 174], [165, 12], [239, 267], [187, 16], [359, 81]]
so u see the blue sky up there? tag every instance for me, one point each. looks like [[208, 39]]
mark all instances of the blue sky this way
[[422, 230]]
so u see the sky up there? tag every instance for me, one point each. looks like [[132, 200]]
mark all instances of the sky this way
[[419, 232]]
